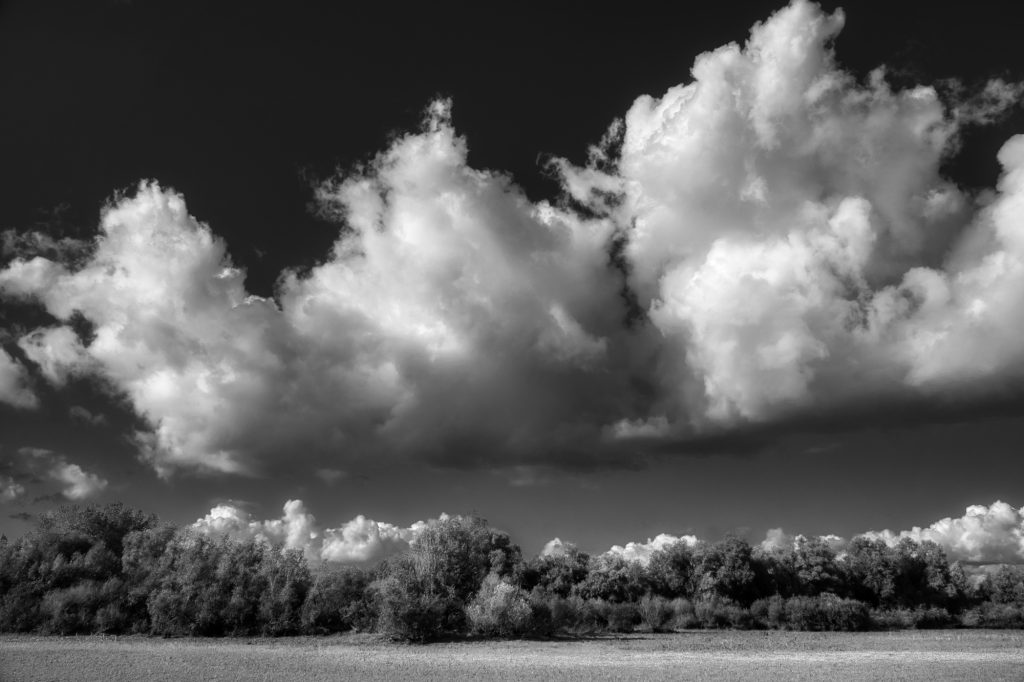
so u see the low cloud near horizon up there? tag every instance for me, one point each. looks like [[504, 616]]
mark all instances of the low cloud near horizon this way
[[359, 541], [992, 534], [766, 240]]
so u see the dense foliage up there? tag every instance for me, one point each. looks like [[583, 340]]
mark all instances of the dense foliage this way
[[117, 570]]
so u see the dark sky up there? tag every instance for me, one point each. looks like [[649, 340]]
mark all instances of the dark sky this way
[[244, 107]]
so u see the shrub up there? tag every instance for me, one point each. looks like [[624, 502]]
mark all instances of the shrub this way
[[586, 616], [499, 610], [71, 610], [655, 612], [993, 615], [683, 615], [542, 623], [622, 617], [338, 601], [408, 613], [932, 618], [826, 612], [769, 613], [19, 609], [893, 619], [563, 613], [713, 613]]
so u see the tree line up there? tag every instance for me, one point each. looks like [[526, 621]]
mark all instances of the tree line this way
[[113, 569]]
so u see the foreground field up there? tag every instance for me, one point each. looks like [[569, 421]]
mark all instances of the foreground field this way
[[914, 655]]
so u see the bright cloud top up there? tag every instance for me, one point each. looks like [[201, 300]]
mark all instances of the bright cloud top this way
[[640, 552], [359, 541], [991, 534], [779, 234]]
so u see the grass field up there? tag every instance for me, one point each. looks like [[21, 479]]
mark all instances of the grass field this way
[[699, 655]]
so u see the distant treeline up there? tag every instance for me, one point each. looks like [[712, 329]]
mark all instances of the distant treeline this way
[[118, 570]]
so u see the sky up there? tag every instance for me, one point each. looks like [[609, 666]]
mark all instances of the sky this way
[[321, 275]]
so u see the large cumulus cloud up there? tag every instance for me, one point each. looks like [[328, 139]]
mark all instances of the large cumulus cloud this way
[[984, 534], [771, 237]]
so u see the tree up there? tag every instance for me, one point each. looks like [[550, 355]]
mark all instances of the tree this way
[[670, 570]]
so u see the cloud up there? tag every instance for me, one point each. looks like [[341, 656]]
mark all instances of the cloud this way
[[776, 539], [990, 534], [296, 529], [79, 413], [984, 534], [38, 465], [640, 552], [557, 548], [364, 540], [770, 239], [359, 541], [794, 240], [14, 386], [331, 476], [10, 490], [78, 484]]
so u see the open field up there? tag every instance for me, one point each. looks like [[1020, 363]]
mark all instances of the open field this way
[[912, 655]]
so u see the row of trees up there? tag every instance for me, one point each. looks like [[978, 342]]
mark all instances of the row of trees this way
[[117, 570]]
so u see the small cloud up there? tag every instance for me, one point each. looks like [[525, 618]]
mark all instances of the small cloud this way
[[10, 490], [78, 484], [557, 548], [14, 385], [79, 413], [21, 516], [39, 465], [640, 552], [331, 476]]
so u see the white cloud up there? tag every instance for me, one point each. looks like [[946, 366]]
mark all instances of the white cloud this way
[[57, 351], [78, 484], [36, 464], [82, 414], [641, 552], [359, 541], [556, 548], [296, 529], [788, 233], [777, 539], [14, 388], [364, 540], [10, 489], [984, 534]]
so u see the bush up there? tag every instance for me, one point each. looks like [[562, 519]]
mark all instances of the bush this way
[[338, 601], [769, 613], [714, 613], [622, 617], [826, 612], [932, 618], [563, 613], [655, 612], [683, 615], [71, 611], [893, 619], [586, 616], [993, 615], [407, 613], [499, 610], [542, 622], [19, 609]]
